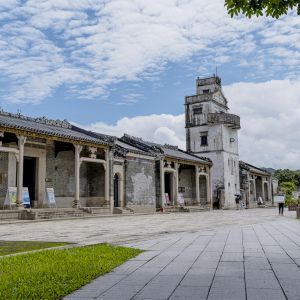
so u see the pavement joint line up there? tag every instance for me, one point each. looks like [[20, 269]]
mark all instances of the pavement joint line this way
[[212, 281], [102, 293], [192, 263], [283, 247], [298, 245], [244, 268], [270, 264], [162, 268]]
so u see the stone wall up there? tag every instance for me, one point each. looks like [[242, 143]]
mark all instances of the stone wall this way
[[187, 185], [140, 183]]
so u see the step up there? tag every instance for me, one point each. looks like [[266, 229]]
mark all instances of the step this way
[[97, 210]]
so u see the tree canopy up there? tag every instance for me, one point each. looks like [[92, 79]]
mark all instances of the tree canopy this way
[[272, 8], [288, 176]]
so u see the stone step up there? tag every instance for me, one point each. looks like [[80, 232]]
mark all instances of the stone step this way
[[9, 214], [97, 210], [123, 211]]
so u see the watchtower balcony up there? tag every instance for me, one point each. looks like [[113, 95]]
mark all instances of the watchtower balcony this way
[[230, 120]]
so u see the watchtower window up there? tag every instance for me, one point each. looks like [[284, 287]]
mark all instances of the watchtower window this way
[[203, 138], [198, 110], [206, 91]]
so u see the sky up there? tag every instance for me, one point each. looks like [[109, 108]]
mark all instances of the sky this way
[[118, 66]]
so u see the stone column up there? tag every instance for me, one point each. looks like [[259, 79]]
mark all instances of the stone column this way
[[107, 174], [197, 185], [176, 175], [162, 182], [21, 144], [78, 149], [263, 189]]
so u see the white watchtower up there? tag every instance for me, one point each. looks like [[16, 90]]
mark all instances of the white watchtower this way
[[213, 133]]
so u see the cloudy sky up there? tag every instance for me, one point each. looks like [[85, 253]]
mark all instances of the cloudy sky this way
[[125, 66]]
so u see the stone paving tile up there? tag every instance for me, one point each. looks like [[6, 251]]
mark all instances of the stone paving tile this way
[[190, 293], [231, 269], [231, 293], [232, 256], [224, 263], [261, 279], [265, 294], [197, 280]]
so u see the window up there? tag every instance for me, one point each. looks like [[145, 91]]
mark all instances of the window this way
[[203, 138], [206, 91], [197, 110]]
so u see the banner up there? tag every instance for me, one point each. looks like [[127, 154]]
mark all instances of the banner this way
[[11, 196], [49, 198], [26, 198]]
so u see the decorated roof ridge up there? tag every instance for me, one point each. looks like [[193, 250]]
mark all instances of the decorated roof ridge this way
[[134, 149], [140, 143], [105, 137], [199, 157], [42, 120], [168, 146], [244, 164]]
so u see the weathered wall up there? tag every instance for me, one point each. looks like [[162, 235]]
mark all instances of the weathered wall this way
[[140, 183], [187, 181]]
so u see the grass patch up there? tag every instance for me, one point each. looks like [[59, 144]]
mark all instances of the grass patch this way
[[9, 247], [54, 273]]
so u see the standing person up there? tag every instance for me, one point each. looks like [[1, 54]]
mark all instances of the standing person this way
[[281, 208], [237, 201]]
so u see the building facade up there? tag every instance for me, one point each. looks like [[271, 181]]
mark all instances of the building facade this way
[[212, 132]]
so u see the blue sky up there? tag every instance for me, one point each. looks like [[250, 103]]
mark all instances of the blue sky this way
[[125, 66]]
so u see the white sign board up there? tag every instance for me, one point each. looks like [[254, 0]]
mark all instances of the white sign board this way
[[279, 199], [11, 196], [49, 198], [180, 199]]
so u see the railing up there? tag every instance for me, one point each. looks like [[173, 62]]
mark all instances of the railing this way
[[224, 118]]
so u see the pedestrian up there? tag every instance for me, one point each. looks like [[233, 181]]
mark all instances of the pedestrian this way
[[237, 201], [281, 208]]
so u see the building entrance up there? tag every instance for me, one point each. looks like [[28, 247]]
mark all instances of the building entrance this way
[[116, 190], [29, 177]]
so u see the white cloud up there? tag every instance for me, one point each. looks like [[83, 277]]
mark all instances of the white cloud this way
[[164, 129], [105, 42], [270, 119]]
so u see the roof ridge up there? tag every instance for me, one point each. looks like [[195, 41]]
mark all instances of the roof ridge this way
[[42, 120]]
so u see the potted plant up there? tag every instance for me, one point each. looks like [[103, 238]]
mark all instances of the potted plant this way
[[292, 204]]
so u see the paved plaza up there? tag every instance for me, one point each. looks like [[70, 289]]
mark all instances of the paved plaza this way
[[249, 254]]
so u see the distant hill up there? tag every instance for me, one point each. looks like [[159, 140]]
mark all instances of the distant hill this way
[[270, 170]]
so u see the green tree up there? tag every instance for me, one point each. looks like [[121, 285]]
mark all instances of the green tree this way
[[288, 187], [272, 8], [288, 175]]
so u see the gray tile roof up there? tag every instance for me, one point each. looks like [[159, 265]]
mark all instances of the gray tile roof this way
[[254, 169], [60, 129], [167, 150]]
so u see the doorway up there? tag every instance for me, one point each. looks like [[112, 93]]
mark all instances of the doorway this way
[[169, 188], [29, 177], [116, 190]]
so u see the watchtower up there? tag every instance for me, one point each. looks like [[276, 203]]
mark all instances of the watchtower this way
[[213, 132]]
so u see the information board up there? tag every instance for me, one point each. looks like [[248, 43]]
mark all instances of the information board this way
[[11, 196], [180, 199], [49, 198], [279, 199], [26, 198]]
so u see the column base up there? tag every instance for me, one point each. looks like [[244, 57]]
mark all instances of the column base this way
[[76, 204]]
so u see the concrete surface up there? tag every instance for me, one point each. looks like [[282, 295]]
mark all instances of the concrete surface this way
[[248, 254]]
